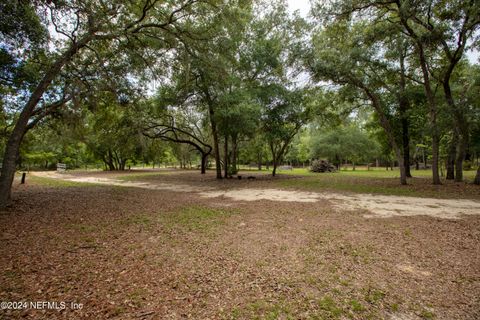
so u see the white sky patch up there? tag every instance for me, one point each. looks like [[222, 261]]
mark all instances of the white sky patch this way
[[301, 5]]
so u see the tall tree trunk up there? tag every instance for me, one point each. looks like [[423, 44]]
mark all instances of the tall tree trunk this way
[[216, 150], [274, 159], [406, 147], [274, 164], [387, 127], [461, 122], [450, 162], [234, 154], [110, 162], [259, 162], [477, 177], [461, 152], [461, 127], [225, 157], [428, 93], [203, 165], [404, 106], [433, 119]]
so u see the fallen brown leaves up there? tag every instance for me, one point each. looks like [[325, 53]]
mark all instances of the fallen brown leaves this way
[[128, 253]]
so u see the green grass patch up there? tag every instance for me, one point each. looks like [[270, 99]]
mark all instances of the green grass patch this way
[[141, 176], [329, 308], [426, 314], [372, 173], [376, 182], [56, 183], [373, 295], [356, 306], [138, 219], [261, 309]]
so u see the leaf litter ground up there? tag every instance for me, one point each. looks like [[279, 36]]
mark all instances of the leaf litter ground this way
[[128, 252]]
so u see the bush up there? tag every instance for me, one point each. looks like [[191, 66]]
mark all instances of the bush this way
[[322, 166]]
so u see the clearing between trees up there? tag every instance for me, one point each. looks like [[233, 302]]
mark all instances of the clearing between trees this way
[[175, 245], [375, 205]]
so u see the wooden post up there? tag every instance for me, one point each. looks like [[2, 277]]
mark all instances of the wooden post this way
[[24, 174]]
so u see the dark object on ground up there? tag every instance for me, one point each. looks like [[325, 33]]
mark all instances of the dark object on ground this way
[[239, 177], [251, 178], [322, 166], [23, 178]]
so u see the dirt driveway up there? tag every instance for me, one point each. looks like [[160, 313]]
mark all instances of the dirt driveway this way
[[374, 205]]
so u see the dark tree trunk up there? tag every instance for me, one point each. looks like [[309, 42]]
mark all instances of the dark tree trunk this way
[[225, 157], [406, 147], [424, 158], [274, 159], [259, 158], [404, 106], [461, 122], [450, 162], [216, 150], [430, 97], [434, 131], [277, 154], [9, 164], [122, 164], [234, 154], [387, 127], [109, 161], [477, 177], [460, 157], [461, 127], [204, 163]]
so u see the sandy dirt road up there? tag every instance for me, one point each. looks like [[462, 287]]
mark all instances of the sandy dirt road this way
[[373, 206]]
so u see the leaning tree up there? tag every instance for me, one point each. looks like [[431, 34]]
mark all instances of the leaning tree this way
[[77, 27]]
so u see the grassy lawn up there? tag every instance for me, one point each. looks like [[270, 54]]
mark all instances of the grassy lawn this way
[[372, 173], [374, 181], [380, 181], [55, 183], [140, 176]]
